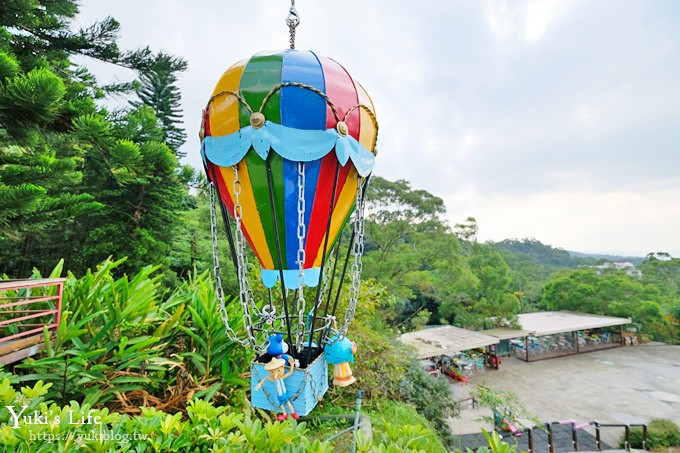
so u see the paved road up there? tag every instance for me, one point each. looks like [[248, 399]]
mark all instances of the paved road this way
[[622, 385]]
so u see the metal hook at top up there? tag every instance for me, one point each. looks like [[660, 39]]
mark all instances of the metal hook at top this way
[[293, 20]]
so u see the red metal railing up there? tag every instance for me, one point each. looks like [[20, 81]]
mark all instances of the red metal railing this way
[[24, 300]]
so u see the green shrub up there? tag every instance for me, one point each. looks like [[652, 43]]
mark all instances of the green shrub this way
[[496, 444], [122, 342], [76, 428], [503, 404], [205, 428], [660, 433], [387, 370], [431, 397], [105, 344], [401, 425]]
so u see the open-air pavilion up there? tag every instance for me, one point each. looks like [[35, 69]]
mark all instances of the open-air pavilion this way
[[445, 346], [505, 335], [543, 335], [445, 341], [558, 333]]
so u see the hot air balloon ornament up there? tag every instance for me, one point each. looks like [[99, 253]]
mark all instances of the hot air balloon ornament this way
[[288, 142]]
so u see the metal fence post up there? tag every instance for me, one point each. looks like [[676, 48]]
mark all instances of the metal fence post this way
[[574, 437], [551, 447]]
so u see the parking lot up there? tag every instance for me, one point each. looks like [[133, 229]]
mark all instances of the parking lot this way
[[628, 385]]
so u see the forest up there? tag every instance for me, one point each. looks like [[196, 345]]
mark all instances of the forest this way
[[98, 195]]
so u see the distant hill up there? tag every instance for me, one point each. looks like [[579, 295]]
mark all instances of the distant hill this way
[[636, 260], [543, 254]]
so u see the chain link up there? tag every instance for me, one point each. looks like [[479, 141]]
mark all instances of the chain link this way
[[245, 293], [326, 280], [218, 273], [301, 255], [357, 252]]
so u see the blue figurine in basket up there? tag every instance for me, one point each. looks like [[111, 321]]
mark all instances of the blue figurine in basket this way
[[279, 348], [340, 352]]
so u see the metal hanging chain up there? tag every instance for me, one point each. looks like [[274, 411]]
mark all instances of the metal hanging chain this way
[[269, 311], [327, 271], [301, 255], [357, 252], [293, 20], [241, 256], [245, 293], [218, 273]]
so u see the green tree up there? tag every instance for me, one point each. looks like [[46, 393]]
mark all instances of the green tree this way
[[613, 294], [574, 291], [398, 218], [412, 252], [158, 90], [467, 231], [75, 180], [41, 35], [40, 166], [139, 183], [663, 271], [39, 202], [192, 248], [492, 297]]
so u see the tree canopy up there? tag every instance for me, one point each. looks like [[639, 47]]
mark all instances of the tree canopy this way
[[78, 181]]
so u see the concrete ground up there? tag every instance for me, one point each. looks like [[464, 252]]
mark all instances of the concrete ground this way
[[632, 384]]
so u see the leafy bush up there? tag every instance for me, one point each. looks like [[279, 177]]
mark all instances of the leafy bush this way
[[387, 370], [496, 444], [105, 344], [217, 362], [206, 428], [76, 428], [431, 397], [120, 342], [402, 426], [503, 404], [660, 433]]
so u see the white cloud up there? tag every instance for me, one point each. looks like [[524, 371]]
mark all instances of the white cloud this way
[[615, 222], [523, 19], [536, 116], [541, 13]]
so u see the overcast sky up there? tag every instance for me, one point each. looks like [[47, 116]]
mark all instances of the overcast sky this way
[[552, 119]]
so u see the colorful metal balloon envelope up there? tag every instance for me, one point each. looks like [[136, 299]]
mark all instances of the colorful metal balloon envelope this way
[[288, 141], [288, 137]]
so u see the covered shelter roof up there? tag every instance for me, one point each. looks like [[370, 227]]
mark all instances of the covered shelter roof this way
[[550, 322], [506, 333], [445, 340]]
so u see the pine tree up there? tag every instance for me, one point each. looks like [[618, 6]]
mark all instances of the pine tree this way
[[158, 77], [45, 38], [76, 181], [39, 202]]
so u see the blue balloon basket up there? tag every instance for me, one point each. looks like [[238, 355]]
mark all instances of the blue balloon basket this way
[[306, 387]]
